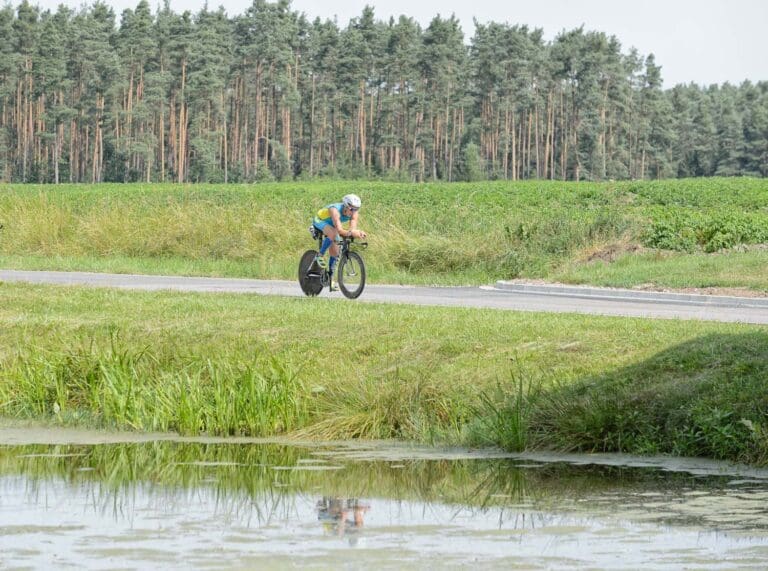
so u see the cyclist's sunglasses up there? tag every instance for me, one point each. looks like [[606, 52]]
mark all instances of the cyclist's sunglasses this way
[[353, 209]]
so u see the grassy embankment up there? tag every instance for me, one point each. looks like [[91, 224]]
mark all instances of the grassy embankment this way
[[689, 233], [229, 364]]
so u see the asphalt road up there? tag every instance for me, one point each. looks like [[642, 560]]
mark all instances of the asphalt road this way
[[500, 296]]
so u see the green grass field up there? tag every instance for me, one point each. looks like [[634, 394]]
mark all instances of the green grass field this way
[[236, 364], [679, 234], [227, 364]]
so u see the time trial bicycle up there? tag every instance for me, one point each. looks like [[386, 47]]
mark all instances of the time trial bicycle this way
[[350, 268]]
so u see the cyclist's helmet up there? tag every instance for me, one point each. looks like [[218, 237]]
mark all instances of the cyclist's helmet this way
[[352, 201]]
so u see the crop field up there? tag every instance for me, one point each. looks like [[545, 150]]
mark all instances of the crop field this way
[[693, 233]]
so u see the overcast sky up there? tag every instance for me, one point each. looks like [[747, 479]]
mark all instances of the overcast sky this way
[[701, 41]]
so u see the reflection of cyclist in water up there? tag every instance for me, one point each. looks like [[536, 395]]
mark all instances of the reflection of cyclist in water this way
[[341, 515]]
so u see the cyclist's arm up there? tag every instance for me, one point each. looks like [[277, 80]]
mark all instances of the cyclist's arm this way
[[353, 231], [336, 219]]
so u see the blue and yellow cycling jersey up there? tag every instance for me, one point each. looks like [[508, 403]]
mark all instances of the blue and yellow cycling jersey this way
[[323, 216]]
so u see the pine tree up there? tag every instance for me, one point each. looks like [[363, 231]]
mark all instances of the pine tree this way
[[754, 101], [8, 56], [443, 66], [401, 77], [27, 30], [209, 72], [53, 83], [657, 137]]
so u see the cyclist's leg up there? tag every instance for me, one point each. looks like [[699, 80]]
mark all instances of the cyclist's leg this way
[[331, 233], [320, 225], [327, 242]]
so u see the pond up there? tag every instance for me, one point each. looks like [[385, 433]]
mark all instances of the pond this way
[[215, 503]]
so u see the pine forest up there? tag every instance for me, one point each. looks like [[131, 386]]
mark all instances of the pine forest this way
[[90, 96]]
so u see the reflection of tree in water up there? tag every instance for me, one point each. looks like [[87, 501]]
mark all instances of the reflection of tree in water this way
[[261, 483], [342, 516]]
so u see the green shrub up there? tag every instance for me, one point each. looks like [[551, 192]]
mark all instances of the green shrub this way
[[686, 231]]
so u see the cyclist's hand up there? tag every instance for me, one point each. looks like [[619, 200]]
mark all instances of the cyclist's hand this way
[[361, 234]]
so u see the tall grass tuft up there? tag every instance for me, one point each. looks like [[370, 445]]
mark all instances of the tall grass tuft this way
[[418, 408], [137, 389], [504, 417]]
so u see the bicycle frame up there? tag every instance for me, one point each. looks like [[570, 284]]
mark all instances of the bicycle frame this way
[[344, 243]]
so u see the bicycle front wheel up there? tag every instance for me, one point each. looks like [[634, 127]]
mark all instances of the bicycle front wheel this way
[[351, 275]]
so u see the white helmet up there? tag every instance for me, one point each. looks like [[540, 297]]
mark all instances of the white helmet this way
[[352, 201]]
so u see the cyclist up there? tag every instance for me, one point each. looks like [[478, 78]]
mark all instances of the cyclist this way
[[329, 220]]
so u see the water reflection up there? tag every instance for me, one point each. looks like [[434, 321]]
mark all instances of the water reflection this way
[[266, 477], [259, 504], [342, 516]]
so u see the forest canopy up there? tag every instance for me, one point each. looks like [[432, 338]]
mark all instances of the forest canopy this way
[[86, 96]]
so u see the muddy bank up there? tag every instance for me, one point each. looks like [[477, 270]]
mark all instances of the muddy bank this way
[[27, 433]]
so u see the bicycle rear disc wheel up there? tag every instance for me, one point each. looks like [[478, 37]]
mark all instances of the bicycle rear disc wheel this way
[[310, 274], [352, 275]]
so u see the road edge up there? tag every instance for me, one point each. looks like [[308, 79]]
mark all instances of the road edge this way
[[617, 294]]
